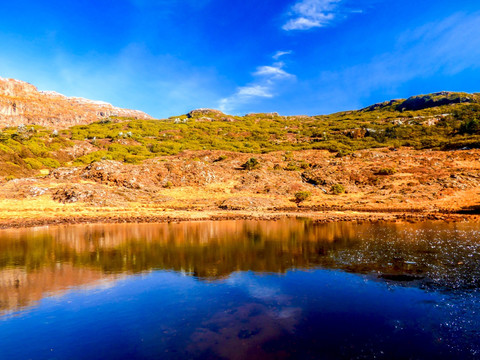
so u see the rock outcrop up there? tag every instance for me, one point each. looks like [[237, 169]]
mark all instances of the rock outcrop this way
[[420, 102], [23, 103], [205, 112]]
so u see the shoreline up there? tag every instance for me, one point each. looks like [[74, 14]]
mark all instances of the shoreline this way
[[222, 215]]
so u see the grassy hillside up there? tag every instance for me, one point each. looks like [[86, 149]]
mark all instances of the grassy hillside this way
[[442, 121]]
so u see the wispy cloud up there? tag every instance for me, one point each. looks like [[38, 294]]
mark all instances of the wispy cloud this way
[[267, 80], [275, 71], [308, 14], [253, 91], [279, 54]]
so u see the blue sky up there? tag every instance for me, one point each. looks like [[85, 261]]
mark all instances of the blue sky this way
[[311, 57]]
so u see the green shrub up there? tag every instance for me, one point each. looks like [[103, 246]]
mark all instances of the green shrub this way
[[33, 163], [156, 148], [36, 146], [471, 126], [50, 163], [304, 165], [292, 166], [337, 189], [132, 159], [3, 136], [302, 196], [288, 156], [221, 158], [6, 149], [342, 153], [386, 171], [251, 164], [93, 157], [9, 163]]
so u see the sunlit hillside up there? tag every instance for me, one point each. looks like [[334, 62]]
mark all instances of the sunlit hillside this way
[[444, 121]]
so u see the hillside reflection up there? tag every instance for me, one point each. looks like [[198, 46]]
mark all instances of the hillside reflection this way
[[38, 262]]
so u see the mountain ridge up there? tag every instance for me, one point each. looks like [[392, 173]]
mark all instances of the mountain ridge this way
[[425, 101], [21, 103]]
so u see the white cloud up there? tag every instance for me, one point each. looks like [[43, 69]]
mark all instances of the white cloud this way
[[274, 71], [279, 54], [254, 91], [308, 14], [305, 24], [266, 84]]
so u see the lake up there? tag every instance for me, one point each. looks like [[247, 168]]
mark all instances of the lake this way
[[241, 290]]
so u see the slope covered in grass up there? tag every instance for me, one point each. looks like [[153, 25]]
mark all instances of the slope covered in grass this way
[[444, 121]]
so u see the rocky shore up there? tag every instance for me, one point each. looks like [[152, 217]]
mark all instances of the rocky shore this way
[[182, 216]]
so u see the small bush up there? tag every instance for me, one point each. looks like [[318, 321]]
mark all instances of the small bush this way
[[132, 159], [288, 156], [470, 126], [50, 163], [342, 153], [4, 137], [251, 164], [304, 165], [33, 163], [297, 165], [168, 185], [292, 166], [221, 158], [337, 189], [386, 171], [301, 196]]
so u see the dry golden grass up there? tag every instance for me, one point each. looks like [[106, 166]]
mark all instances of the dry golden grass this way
[[425, 183]]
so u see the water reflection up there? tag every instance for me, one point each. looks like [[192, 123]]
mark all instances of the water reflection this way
[[225, 290], [35, 262]]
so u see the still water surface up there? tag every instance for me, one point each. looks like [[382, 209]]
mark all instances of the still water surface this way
[[241, 290]]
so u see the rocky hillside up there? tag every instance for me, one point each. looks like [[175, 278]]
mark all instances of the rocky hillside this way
[[373, 180], [23, 103], [420, 102]]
